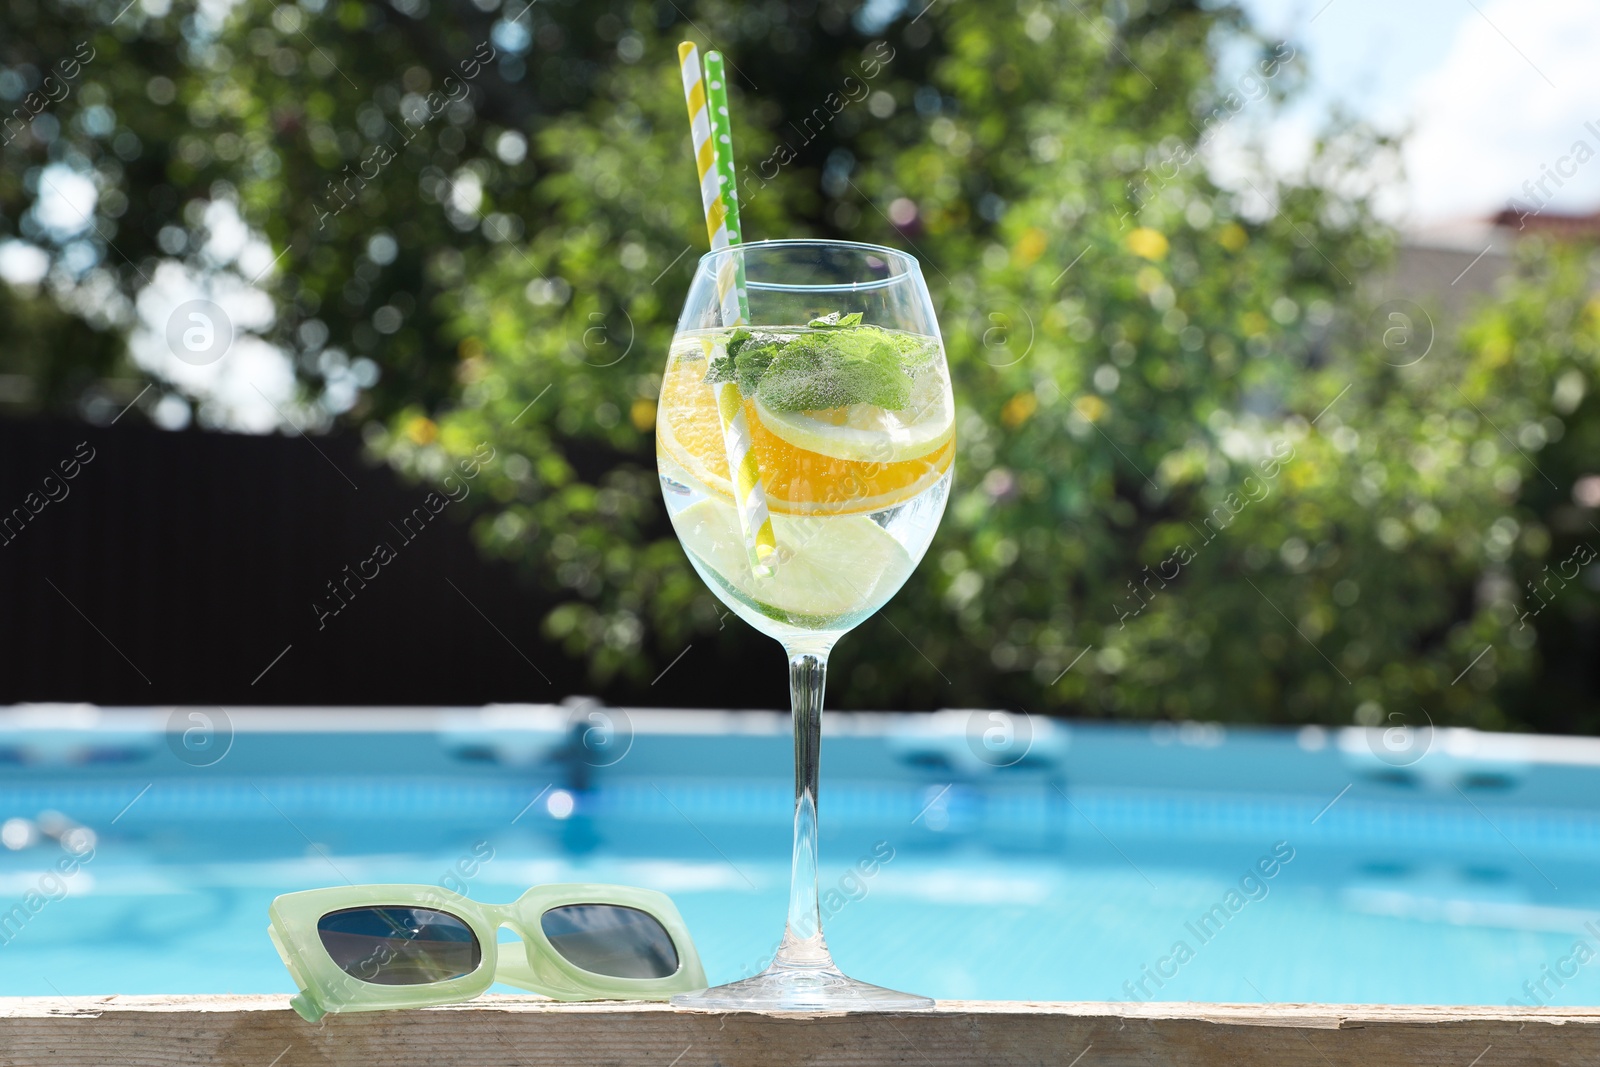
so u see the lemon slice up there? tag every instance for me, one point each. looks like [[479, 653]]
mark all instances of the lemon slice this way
[[688, 427], [866, 433], [829, 569]]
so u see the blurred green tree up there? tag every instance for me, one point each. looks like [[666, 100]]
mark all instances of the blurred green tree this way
[[1193, 482], [1128, 342], [1526, 416]]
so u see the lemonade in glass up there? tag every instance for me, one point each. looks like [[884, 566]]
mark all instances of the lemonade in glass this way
[[848, 415]]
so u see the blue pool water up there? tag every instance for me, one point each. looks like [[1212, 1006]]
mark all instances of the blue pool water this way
[[1113, 863]]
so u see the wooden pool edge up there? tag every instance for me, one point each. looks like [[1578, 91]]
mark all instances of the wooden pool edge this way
[[261, 1031]]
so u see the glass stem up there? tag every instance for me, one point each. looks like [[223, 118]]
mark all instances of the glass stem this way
[[803, 946]]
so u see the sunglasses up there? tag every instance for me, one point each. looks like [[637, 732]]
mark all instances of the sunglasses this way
[[377, 947]]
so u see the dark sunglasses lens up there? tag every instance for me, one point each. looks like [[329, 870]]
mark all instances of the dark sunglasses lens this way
[[612, 940], [400, 945]]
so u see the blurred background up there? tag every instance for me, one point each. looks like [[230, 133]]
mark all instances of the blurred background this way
[[1273, 326], [331, 335]]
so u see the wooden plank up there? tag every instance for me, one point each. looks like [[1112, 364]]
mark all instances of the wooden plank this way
[[513, 1031]]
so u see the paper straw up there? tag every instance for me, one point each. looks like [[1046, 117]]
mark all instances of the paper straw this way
[[730, 277], [714, 160]]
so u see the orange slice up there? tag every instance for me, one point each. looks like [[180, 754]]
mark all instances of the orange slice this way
[[798, 481]]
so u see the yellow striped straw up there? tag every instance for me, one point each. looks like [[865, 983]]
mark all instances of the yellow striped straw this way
[[716, 192]]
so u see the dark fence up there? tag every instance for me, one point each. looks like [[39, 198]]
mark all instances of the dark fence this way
[[144, 567]]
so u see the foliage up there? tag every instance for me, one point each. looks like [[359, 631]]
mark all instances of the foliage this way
[[1192, 482], [1529, 365], [999, 174]]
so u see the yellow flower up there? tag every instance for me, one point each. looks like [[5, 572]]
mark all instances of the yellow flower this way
[[1030, 246], [643, 414], [422, 430], [1151, 244], [1232, 237], [1018, 409], [1090, 407]]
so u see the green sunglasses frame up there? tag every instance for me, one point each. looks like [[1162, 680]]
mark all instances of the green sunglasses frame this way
[[533, 965]]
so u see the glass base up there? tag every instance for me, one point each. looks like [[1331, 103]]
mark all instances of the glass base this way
[[801, 989]]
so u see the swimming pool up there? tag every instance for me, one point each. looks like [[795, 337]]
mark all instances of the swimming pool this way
[[1113, 863]]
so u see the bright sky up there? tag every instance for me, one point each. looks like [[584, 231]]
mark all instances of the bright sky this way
[[1491, 92]]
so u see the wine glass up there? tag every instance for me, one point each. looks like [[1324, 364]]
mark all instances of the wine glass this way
[[832, 379]]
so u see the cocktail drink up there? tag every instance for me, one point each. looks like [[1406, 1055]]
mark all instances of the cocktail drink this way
[[806, 455], [855, 489]]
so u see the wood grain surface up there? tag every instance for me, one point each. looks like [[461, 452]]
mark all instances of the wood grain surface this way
[[508, 1031]]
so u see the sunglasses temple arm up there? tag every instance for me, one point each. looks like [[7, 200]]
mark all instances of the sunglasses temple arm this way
[[306, 1008]]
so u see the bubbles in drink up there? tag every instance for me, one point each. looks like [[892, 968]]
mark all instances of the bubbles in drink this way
[[855, 490]]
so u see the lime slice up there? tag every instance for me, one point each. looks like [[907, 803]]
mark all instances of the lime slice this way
[[869, 434], [828, 567]]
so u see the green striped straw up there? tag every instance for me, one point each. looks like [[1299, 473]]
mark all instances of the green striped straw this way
[[722, 142], [713, 149]]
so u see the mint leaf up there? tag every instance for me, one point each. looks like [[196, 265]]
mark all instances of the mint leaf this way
[[752, 364], [835, 363], [917, 354], [720, 368], [723, 366], [835, 320], [836, 368]]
